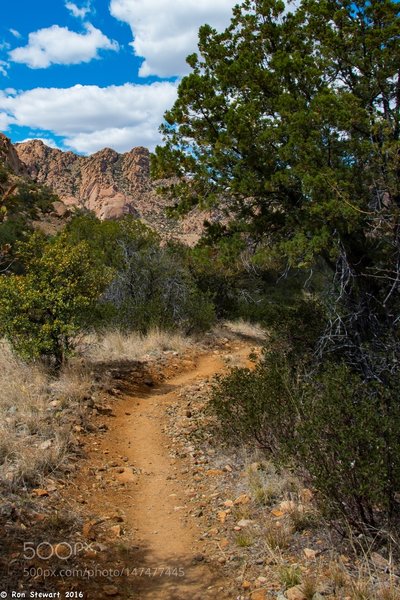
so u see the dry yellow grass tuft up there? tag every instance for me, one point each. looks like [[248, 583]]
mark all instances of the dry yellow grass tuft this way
[[34, 436], [114, 345], [245, 329]]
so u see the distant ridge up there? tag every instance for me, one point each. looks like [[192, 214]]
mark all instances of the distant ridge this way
[[108, 183]]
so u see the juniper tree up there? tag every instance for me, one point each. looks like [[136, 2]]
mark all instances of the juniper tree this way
[[289, 122]]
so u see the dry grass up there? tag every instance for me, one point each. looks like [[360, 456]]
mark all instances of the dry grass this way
[[267, 484], [243, 328], [34, 434], [309, 586], [116, 346], [290, 575], [278, 536], [244, 540], [38, 411]]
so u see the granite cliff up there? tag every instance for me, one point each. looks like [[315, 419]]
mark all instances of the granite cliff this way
[[108, 183]]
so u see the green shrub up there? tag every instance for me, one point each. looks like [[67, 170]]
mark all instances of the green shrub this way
[[348, 439], [339, 431], [152, 288], [257, 405], [43, 310]]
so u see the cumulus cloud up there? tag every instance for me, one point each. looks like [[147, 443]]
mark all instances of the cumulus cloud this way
[[76, 11], [90, 118], [60, 46], [165, 32], [5, 121]]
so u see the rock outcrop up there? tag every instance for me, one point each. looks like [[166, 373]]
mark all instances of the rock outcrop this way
[[108, 183], [9, 156]]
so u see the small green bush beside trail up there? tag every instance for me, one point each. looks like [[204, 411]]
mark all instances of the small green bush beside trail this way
[[348, 439], [257, 406], [56, 298], [340, 432]]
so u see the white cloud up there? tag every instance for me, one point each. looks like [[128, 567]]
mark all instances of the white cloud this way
[[15, 33], [5, 121], [61, 46], [165, 32], [120, 139], [76, 11], [3, 68], [48, 142], [90, 118]]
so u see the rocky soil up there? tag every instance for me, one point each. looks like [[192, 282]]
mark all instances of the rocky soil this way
[[154, 505]]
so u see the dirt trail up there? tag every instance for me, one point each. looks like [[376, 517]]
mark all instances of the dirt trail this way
[[168, 560]]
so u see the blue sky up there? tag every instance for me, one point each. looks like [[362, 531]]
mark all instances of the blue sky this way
[[86, 74]]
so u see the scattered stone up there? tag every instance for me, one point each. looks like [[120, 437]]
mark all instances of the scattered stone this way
[[110, 590], [309, 553], [258, 595], [295, 593], [104, 410], [245, 522], [198, 558], [242, 499], [40, 493], [116, 530], [214, 472], [222, 516], [87, 530], [287, 506], [380, 562], [45, 445]]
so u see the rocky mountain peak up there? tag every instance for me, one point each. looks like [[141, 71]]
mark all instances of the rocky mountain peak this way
[[108, 183]]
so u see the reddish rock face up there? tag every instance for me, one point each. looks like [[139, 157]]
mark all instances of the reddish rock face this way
[[107, 183], [9, 156]]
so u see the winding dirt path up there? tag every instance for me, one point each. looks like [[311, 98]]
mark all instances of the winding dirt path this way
[[167, 561], [167, 541]]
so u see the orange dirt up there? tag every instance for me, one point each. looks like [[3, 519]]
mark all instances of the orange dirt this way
[[164, 549]]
